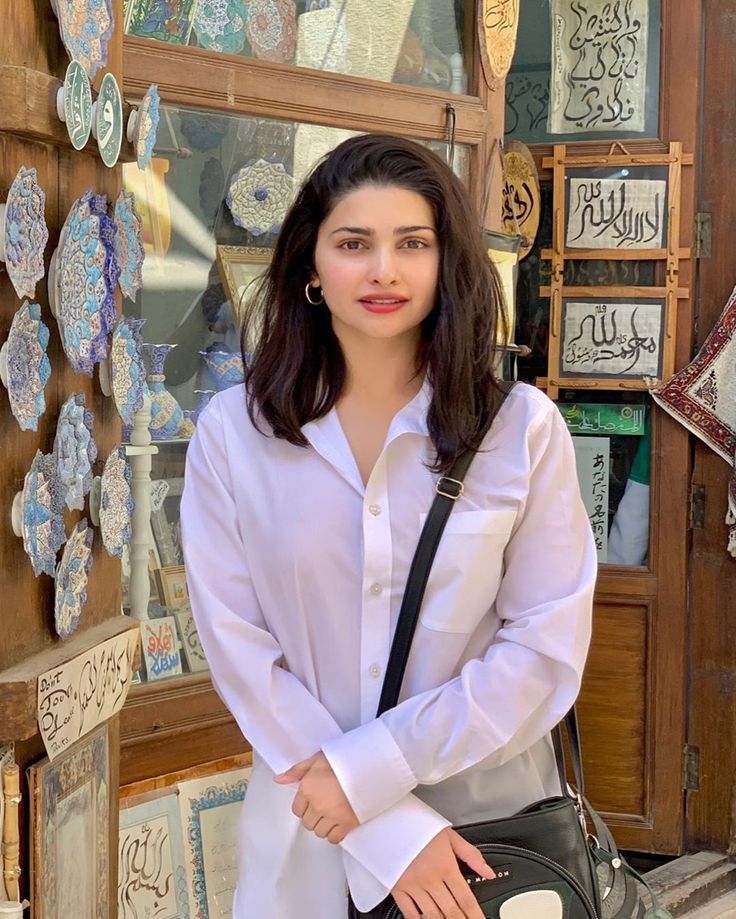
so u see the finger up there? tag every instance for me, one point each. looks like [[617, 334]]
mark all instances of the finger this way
[[336, 835], [299, 805], [427, 907], [464, 898], [407, 907], [323, 828], [310, 819], [471, 856], [295, 774], [447, 904]]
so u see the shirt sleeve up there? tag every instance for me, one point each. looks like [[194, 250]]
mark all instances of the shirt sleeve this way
[[274, 710], [501, 704]]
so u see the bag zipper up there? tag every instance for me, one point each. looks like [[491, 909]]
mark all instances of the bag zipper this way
[[504, 849]]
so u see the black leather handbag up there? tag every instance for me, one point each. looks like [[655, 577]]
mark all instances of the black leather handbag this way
[[546, 861]]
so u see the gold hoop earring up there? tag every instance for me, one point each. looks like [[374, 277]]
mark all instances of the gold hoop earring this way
[[309, 299]]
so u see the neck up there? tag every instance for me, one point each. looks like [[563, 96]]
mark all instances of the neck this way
[[381, 370]]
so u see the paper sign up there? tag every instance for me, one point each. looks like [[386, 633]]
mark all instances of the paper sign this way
[[592, 458], [76, 697]]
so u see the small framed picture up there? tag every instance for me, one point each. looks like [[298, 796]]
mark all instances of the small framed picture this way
[[240, 267], [172, 583]]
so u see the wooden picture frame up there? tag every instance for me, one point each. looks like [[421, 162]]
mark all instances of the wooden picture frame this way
[[71, 802], [239, 267], [172, 584]]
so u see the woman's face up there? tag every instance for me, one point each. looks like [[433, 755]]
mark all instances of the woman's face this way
[[377, 261]]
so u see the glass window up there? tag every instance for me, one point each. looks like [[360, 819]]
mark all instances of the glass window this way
[[416, 42], [605, 80], [205, 242]]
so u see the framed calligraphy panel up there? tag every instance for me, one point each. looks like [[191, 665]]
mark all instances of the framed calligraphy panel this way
[[592, 460], [612, 338], [152, 875], [70, 802], [617, 210], [498, 21], [599, 66]]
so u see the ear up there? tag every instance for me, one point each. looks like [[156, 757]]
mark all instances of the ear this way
[[314, 279]]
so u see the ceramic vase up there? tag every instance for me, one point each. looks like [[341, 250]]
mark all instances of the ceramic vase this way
[[166, 414]]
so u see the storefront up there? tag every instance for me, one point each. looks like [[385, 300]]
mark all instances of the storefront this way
[[251, 95]]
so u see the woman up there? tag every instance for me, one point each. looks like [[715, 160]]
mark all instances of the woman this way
[[302, 508]]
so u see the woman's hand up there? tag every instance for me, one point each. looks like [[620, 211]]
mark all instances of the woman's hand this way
[[433, 886], [320, 802]]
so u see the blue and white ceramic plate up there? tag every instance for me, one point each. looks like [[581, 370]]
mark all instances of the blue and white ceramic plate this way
[[82, 286], [127, 370], [38, 515], [220, 25], [259, 196], [24, 366], [143, 126], [23, 232], [86, 28], [71, 579], [75, 451], [116, 503], [128, 246]]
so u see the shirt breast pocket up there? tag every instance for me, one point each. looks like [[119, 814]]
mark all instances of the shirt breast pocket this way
[[467, 569]]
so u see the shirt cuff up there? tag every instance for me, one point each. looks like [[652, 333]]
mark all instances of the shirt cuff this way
[[377, 853], [371, 769]]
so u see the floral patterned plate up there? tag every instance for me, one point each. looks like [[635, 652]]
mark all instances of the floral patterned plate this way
[[71, 579], [272, 29], [24, 366], [74, 450], [111, 503], [37, 515], [82, 280], [220, 25], [259, 196], [23, 232], [143, 126], [128, 246], [126, 381], [86, 28]]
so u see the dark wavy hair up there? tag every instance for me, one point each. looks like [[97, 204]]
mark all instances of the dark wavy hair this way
[[296, 369]]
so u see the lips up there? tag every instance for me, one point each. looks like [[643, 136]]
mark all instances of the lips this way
[[383, 304]]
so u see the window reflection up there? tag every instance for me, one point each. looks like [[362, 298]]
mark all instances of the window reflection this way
[[413, 42]]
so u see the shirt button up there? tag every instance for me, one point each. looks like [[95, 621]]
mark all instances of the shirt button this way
[[376, 589], [375, 509], [375, 670]]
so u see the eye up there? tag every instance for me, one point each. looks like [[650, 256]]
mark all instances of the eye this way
[[352, 245], [415, 243]]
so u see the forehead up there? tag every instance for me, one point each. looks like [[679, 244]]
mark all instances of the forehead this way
[[381, 205]]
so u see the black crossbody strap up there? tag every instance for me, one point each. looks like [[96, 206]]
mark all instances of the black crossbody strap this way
[[448, 490]]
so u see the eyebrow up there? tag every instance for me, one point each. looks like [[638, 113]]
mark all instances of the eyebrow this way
[[399, 231]]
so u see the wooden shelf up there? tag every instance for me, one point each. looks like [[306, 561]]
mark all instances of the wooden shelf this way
[[19, 684]]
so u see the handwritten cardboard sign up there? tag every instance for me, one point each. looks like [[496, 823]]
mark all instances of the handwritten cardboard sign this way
[[76, 697], [592, 458]]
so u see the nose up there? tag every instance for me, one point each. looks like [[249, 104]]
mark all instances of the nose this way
[[383, 268]]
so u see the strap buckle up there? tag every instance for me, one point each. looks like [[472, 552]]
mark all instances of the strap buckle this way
[[449, 488]]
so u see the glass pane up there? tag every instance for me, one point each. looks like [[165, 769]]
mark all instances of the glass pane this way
[[416, 42], [204, 244], [611, 435], [606, 75]]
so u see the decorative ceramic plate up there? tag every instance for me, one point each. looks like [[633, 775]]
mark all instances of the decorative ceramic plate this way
[[322, 42], [143, 126], [85, 275], [107, 124], [75, 450], [71, 579], [272, 29], [74, 104], [220, 25], [128, 246], [23, 232], [38, 515], [86, 28], [24, 366], [226, 368], [259, 196], [127, 371], [116, 503]]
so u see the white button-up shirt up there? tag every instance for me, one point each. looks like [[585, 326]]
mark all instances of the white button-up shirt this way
[[296, 572]]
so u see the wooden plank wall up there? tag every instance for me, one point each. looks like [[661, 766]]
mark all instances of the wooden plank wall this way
[[712, 695]]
